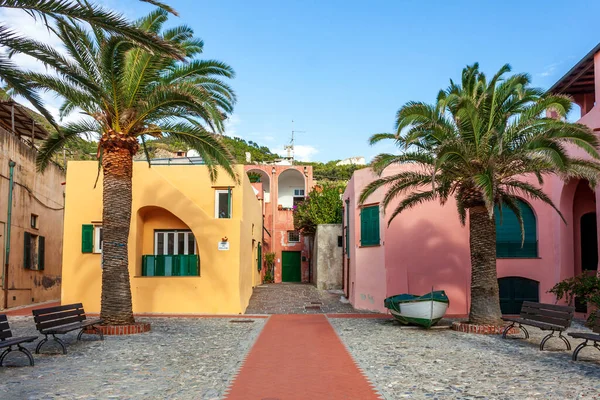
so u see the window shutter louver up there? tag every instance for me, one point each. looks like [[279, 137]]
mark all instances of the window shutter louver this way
[[87, 238]]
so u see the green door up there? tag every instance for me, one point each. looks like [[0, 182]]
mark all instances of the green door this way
[[290, 266], [514, 291]]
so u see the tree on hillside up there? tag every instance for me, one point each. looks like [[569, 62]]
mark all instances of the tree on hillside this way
[[479, 143], [331, 172], [48, 10], [323, 205], [130, 95]]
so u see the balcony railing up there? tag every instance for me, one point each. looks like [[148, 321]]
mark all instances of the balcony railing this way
[[516, 250], [170, 265]]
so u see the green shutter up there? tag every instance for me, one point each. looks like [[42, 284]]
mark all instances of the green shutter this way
[[369, 226], [259, 256], [87, 238], [27, 250], [508, 233], [41, 252], [347, 229]]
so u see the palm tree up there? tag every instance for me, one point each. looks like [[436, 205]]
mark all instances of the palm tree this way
[[131, 95], [48, 10], [483, 142]]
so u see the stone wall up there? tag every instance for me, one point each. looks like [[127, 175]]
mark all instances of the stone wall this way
[[328, 257]]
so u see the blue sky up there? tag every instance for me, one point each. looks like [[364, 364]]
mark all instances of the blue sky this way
[[341, 69]]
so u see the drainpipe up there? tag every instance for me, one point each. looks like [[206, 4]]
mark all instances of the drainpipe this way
[[11, 165]]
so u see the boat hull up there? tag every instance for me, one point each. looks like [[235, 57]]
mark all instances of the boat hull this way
[[426, 310]]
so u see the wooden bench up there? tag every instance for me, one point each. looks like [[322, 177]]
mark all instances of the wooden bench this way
[[61, 320], [8, 341], [594, 337], [547, 317]]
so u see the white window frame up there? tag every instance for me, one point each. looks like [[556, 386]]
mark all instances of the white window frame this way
[[97, 242], [177, 232], [217, 193], [288, 237], [299, 194]]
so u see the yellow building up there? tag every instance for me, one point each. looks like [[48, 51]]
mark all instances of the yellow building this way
[[193, 244]]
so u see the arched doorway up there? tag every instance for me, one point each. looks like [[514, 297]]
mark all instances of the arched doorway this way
[[588, 231], [260, 176], [514, 290], [585, 234], [291, 188]]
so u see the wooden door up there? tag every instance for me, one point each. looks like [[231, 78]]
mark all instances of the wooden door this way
[[291, 266]]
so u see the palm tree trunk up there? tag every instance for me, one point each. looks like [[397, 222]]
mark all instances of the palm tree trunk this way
[[485, 301], [117, 165]]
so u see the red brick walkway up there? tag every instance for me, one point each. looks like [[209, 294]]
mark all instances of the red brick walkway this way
[[299, 357]]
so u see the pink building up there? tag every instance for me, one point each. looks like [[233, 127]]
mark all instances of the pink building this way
[[280, 187], [427, 247]]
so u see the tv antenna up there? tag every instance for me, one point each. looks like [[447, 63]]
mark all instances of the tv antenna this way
[[290, 147]]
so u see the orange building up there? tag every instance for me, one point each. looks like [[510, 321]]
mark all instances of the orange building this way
[[280, 188]]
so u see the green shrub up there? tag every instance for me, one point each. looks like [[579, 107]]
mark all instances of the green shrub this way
[[585, 287]]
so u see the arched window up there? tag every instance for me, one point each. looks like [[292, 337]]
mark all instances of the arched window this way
[[508, 233]]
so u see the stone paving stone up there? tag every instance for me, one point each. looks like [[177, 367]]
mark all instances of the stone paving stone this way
[[181, 358], [295, 298], [444, 364]]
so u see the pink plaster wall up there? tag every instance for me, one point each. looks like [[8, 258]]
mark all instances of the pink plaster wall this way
[[427, 247]]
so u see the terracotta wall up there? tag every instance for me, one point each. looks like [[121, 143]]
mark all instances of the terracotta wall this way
[[283, 220]]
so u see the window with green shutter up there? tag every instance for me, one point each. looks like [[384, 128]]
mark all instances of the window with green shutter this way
[[347, 229], [369, 226], [259, 256], [87, 238], [509, 243]]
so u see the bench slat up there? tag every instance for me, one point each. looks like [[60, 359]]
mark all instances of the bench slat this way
[[541, 325], [547, 312], [55, 323], [4, 326], [551, 319], [50, 310], [555, 307], [58, 315], [5, 334], [17, 340]]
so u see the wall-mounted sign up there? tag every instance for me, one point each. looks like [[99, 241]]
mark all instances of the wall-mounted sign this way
[[223, 246]]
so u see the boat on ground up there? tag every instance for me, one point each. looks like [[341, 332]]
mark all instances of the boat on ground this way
[[425, 310]]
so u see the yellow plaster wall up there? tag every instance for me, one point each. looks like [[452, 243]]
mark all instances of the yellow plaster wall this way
[[251, 235], [166, 197]]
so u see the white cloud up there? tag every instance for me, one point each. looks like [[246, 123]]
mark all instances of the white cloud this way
[[549, 70], [301, 152], [231, 125]]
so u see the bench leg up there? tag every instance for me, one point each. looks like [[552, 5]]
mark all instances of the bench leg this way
[[550, 336], [19, 348], [578, 349], [97, 330], [57, 340], [512, 325], [40, 344], [4, 354], [27, 353], [508, 328]]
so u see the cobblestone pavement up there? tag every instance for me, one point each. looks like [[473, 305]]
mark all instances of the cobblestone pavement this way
[[296, 298], [181, 358], [443, 364]]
